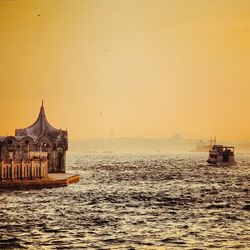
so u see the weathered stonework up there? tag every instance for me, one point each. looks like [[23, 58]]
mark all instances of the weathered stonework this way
[[34, 142], [28, 170], [35, 157]]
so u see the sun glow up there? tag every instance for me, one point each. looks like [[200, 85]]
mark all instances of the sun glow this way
[[137, 68]]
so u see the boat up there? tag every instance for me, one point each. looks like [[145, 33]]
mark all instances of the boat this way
[[203, 146], [221, 155]]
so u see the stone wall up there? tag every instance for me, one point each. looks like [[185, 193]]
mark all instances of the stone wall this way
[[12, 170]]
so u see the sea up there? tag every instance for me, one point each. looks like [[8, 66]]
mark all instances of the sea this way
[[134, 201]]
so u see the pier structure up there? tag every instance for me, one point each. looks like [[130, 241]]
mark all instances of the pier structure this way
[[35, 156]]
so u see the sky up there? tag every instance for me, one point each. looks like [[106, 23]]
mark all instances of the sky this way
[[127, 68]]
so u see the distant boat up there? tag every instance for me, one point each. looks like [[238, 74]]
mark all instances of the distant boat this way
[[221, 155], [202, 146]]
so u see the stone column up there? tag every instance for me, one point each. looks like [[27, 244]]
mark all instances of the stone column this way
[[31, 169], [21, 170], [11, 170], [40, 169]]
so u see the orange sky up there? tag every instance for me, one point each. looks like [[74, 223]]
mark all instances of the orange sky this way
[[139, 68]]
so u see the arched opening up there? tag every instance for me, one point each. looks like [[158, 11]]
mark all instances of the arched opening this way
[[10, 142], [44, 146], [60, 161]]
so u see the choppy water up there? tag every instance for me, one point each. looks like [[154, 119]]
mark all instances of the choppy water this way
[[134, 202]]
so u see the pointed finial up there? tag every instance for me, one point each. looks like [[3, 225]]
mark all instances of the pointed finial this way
[[42, 112]]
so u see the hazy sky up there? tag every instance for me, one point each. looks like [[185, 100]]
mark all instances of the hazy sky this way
[[139, 68]]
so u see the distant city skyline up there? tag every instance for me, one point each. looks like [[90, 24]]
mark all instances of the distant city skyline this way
[[134, 68]]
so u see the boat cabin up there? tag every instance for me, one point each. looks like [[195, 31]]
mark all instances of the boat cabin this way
[[221, 155]]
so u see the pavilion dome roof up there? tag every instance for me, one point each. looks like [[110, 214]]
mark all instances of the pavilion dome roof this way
[[40, 127]]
